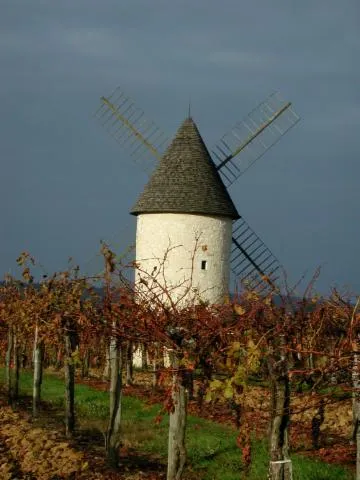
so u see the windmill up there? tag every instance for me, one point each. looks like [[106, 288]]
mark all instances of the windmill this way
[[189, 187]]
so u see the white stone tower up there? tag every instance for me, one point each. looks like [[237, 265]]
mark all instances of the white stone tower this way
[[184, 223]]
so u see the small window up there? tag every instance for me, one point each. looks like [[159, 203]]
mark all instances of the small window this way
[[203, 265]]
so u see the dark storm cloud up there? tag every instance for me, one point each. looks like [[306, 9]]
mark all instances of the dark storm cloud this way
[[65, 185]]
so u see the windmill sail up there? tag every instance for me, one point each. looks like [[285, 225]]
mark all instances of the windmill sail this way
[[252, 137], [251, 260], [129, 126]]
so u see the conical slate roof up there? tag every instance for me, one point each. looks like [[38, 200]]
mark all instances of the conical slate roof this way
[[186, 180]]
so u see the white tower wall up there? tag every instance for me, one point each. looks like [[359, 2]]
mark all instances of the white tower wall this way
[[186, 253]]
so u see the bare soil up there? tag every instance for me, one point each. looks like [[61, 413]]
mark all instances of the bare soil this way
[[37, 448]]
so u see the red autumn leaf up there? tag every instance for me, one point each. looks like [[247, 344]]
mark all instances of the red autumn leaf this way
[[158, 419]]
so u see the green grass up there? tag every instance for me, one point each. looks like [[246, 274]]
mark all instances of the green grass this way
[[212, 450]]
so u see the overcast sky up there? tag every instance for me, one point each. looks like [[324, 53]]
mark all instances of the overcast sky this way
[[66, 184]]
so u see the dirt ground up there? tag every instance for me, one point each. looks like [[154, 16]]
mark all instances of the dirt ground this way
[[38, 449], [31, 450]]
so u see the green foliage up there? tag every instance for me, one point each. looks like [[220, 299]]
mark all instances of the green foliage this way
[[241, 362]]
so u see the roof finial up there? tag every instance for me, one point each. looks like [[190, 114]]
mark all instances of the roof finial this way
[[189, 110]]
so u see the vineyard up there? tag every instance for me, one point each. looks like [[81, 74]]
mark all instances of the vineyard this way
[[100, 380]]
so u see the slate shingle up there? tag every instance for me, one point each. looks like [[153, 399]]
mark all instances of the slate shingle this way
[[186, 180]]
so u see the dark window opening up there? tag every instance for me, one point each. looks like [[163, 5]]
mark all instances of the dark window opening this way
[[203, 265]]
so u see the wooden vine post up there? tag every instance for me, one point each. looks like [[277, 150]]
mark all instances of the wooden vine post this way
[[38, 355], [355, 345], [69, 371], [280, 466], [177, 423], [112, 438], [8, 358]]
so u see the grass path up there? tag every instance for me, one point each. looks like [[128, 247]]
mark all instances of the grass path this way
[[212, 450]]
